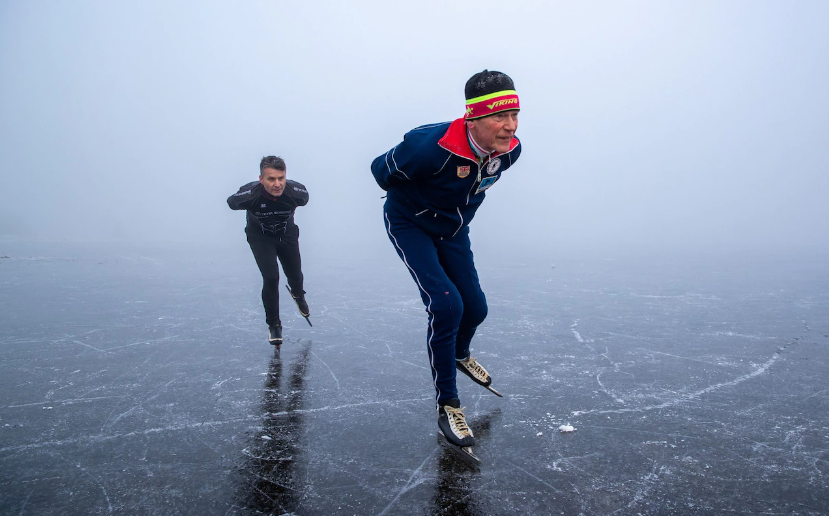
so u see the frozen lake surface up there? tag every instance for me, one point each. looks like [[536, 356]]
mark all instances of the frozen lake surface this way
[[139, 380]]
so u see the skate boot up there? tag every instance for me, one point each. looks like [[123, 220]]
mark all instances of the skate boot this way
[[301, 304], [452, 424], [471, 368], [454, 433], [275, 334], [299, 299]]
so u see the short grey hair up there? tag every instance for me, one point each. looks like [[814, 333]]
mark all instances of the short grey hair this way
[[272, 162]]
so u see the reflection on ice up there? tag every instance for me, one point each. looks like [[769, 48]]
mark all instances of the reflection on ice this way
[[457, 481], [146, 385], [272, 480]]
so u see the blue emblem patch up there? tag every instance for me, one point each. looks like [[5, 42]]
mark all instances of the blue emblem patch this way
[[486, 183]]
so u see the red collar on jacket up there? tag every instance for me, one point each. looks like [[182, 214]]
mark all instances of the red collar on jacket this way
[[456, 141]]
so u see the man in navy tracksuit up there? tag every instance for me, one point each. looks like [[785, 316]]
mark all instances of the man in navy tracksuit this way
[[436, 178], [272, 233]]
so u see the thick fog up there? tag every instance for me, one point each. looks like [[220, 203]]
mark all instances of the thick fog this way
[[644, 124]]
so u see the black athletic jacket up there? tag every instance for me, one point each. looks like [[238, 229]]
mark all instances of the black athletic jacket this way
[[265, 213]]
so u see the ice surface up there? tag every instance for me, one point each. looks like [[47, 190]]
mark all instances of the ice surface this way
[[139, 380]]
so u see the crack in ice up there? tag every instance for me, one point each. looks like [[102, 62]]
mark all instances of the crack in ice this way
[[694, 395]]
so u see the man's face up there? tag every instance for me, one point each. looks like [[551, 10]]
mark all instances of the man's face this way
[[494, 132], [273, 181]]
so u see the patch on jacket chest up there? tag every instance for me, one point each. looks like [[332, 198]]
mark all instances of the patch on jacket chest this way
[[463, 172], [486, 183], [493, 166]]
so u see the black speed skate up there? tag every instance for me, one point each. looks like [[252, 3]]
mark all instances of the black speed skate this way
[[301, 304], [275, 334], [471, 368], [455, 432]]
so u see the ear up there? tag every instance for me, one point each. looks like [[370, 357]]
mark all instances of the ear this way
[[472, 127]]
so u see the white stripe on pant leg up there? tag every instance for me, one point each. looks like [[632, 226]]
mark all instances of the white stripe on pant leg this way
[[428, 307]]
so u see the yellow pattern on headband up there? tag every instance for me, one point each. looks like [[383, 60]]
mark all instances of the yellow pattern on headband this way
[[491, 96]]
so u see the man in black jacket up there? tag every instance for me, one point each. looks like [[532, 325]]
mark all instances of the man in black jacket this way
[[270, 204]]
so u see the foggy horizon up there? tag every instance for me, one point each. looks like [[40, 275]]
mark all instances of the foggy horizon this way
[[644, 126]]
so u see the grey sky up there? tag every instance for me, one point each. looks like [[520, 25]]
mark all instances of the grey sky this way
[[643, 123]]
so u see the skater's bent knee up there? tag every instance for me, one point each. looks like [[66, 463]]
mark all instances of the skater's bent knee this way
[[448, 311], [482, 311], [475, 313]]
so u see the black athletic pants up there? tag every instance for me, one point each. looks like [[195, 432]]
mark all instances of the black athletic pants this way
[[266, 249]]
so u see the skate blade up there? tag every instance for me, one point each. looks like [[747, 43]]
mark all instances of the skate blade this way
[[490, 389], [493, 391], [465, 453], [309, 322]]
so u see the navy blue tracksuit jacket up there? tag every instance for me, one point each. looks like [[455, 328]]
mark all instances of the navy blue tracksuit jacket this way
[[435, 185]]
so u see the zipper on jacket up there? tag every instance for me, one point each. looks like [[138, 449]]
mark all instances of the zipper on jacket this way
[[459, 227], [477, 181]]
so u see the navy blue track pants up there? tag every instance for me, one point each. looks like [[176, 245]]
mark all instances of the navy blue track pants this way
[[448, 282]]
